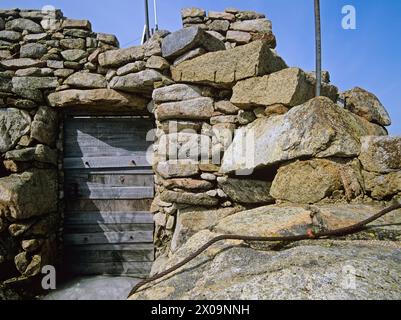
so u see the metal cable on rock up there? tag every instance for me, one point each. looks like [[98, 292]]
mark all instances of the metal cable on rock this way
[[355, 228]]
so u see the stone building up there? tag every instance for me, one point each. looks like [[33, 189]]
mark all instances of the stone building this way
[[113, 158]]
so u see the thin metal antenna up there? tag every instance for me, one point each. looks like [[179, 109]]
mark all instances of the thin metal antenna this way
[[318, 48], [143, 35], [155, 10], [147, 28]]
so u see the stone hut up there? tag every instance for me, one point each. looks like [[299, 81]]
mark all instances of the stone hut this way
[[113, 158]]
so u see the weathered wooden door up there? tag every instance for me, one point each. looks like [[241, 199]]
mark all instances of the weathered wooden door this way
[[108, 190]]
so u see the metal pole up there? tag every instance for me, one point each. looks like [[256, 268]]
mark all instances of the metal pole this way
[[147, 28], [155, 9], [318, 48]]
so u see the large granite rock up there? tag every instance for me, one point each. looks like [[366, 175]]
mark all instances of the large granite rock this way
[[30, 87], [184, 145], [184, 40], [239, 37], [176, 92], [22, 195], [5, 83], [313, 180], [33, 50], [14, 123], [86, 80], [381, 154], [102, 98], [136, 82], [73, 44], [366, 105], [187, 184], [307, 271], [328, 269], [196, 199], [383, 186], [191, 54], [21, 63], [192, 13], [45, 126], [177, 168], [219, 25], [246, 191], [224, 68], [290, 87], [318, 128], [257, 25], [279, 220], [24, 24], [73, 55], [8, 35], [119, 57], [40, 153], [192, 220], [76, 24], [199, 108], [267, 221], [131, 68]]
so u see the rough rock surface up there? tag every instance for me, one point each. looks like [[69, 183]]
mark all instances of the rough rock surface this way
[[318, 128], [96, 98], [183, 145], [176, 92], [313, 180], [305, 271], [258, 25], [21, 195], [383, 186], [290, 87], [177, 168], [14, 124], [39, 153], [196, 199], [239, 37], [198, 108], [44, 126], [246, 191], [182, 41], [86, 80], [136, 82], [24, 24], [119, 57], [192, 220], [22, 63], [366, 105], [224, 68], [33, 50], [381, 154]]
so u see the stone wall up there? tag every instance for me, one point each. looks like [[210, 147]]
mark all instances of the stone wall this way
[[233, 27], [239, 129], [51, 66], [236, 128]]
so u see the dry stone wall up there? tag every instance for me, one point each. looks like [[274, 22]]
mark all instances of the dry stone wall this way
[[236, 128], [233, 27], [239, 129], [51, 66]]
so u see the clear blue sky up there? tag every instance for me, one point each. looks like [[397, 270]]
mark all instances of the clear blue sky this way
[[369, 56]]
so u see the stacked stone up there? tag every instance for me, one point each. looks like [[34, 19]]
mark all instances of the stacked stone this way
[[234, 27], [29, 212], [49, 63], [304, 149], [188, 141], [195, 125], [236, 128]]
